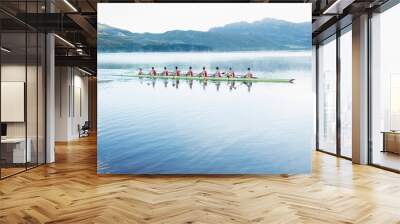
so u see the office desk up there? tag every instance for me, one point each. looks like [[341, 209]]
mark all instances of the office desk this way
[[391, 141], [13, 150]]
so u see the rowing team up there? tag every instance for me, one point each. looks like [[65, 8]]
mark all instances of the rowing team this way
[[230, 73]]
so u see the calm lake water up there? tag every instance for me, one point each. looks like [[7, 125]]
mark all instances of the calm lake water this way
[[169, 127]]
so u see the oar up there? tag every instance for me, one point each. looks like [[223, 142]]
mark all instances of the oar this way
[[198, 75]]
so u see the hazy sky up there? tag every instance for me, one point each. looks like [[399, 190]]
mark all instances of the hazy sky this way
[[161, 17]]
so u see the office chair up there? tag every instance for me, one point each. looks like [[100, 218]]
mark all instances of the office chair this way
[[84, 130]]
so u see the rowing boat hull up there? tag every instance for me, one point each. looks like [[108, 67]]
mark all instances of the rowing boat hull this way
[[212, 78]]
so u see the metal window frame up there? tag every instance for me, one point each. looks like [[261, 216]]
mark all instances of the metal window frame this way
[[0, 91], [339, 32], [386, 6]]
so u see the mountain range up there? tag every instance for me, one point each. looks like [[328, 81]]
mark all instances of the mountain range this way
[[265, 34]]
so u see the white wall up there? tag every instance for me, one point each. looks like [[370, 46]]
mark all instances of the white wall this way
[[62, 82], [71, 102]]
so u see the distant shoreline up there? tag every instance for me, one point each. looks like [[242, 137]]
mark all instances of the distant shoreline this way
[[266, 34]]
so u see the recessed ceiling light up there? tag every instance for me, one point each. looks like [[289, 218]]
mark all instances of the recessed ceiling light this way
[[70, 5], [64, 40], [332, 7], [5, 50], [84, 71], [337, 7]]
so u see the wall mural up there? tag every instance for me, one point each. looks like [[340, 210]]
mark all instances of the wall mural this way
[[204, 88]]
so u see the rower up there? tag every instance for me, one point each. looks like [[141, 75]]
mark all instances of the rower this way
[[165, 72], [153, 72], [217, 72], [204, 72], [231, 73], [190, 72], [249, 75], [177, 71], [140, 71]]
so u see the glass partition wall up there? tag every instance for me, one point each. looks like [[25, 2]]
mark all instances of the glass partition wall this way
[[327, 95], [346, 95], [13, 110], [334, 95], [334, 120], [22, 77], [385, 89]]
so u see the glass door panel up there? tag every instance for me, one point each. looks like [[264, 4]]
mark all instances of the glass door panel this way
[[41, 98], [14, 153], [31, 100], [385, 90], [327, 96], [346, 93]]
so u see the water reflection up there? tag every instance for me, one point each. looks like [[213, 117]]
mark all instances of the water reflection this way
[[190, 82], [231, 85], [259, 61], [193, 126], [217, 84], [176, 84], [165, 83], [197, 126], [204, 84], [248, 84]]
